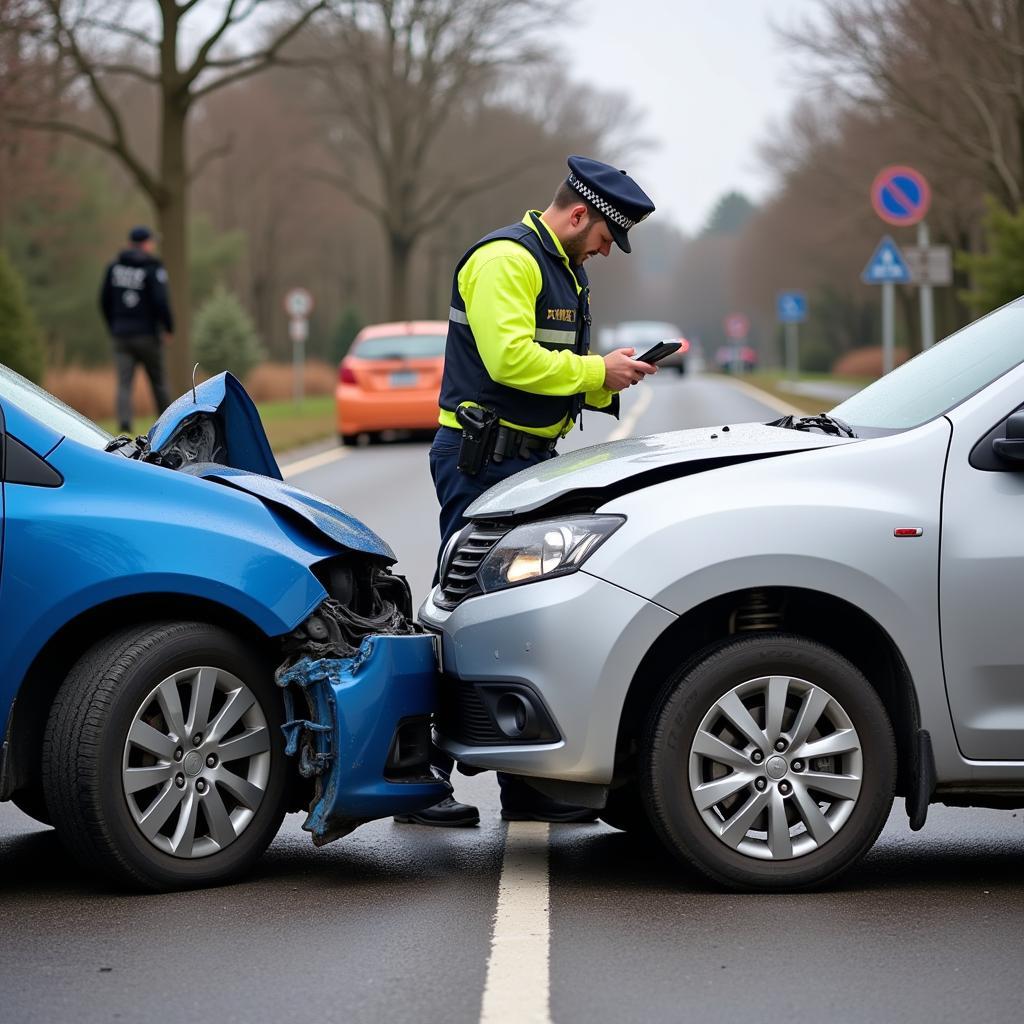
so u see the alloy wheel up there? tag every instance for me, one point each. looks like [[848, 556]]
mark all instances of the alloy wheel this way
[[775, 767], [196, 762]]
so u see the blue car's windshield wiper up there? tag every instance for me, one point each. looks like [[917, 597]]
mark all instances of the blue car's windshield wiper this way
[[822, 421]]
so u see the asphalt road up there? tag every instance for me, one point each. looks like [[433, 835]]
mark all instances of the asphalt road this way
[[395, 922]]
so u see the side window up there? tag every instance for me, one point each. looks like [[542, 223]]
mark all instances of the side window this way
[[21, 465]]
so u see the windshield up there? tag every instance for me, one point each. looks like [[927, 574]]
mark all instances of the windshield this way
[[935, 381], [41, 405], [401, 346]]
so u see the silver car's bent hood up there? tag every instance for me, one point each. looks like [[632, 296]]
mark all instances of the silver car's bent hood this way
[[621, 466]]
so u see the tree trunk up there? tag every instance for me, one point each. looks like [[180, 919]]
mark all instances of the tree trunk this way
[[172, 214], [400, 253]]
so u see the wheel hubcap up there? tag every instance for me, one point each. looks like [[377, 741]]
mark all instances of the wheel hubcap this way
[[196, 805], [768, 805]]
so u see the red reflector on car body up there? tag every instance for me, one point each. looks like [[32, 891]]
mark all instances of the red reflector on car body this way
[[908, 531]]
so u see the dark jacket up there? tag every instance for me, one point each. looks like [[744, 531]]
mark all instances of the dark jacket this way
[[134, 297]]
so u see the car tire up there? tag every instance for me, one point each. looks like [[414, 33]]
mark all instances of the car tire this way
[[131, 792], [817, 798], [348, 440]]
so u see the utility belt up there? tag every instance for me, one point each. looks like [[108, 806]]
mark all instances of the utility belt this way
[[485, 439]]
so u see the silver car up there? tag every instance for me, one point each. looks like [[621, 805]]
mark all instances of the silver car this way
[[745, 640]]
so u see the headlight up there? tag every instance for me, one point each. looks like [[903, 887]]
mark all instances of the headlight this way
[[552, 547]]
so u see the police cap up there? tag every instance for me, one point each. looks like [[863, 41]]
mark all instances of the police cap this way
[[613, 192], [139, 234]]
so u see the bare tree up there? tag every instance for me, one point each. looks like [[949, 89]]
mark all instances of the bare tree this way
[[403, 72], [953, 70], [99, 47]]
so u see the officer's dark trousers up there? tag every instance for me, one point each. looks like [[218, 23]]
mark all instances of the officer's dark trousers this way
[[456, 492], [130, 349]]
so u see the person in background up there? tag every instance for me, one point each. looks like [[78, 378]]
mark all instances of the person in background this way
[[137, 309]]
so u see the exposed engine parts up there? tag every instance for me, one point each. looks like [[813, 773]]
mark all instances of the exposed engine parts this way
[[195, 441], [336, 631], [328, 647]]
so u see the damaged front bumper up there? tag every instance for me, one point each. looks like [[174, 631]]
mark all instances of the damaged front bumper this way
[[366, 741]]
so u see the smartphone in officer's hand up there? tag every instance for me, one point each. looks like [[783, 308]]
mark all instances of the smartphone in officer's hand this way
[[659, 351]]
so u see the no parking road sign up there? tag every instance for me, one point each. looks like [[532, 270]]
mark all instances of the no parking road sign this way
[[900, 195]]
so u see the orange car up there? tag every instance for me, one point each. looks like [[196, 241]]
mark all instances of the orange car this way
[[390, 379]]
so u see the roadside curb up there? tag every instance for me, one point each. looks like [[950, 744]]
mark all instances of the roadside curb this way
[[765, 397]]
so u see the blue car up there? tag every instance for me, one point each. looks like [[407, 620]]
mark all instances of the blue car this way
[[190, 647]]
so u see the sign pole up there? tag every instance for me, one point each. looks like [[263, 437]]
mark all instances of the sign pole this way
[[792, 357], [927, 302], [791, 310], [298, 369], [888, 325], [901, 196], [298, 328], [298, 304]]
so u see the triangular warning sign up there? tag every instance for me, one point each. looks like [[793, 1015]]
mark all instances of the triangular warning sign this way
[[887, 265]]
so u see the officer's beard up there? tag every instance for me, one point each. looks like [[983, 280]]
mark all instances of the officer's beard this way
[[576, 246]]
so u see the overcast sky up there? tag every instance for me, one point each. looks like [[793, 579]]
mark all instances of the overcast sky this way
[[711, 77]]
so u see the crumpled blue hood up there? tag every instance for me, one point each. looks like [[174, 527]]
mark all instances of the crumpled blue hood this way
[[215, 433], [223, 398], [330, 521]]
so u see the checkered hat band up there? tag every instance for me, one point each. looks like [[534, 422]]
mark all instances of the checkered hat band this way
[[602, 204]]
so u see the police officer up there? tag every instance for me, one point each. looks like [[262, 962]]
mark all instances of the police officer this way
[[518, 373], [136, 307]]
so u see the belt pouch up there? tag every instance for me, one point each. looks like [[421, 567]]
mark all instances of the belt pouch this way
[[478, 426]]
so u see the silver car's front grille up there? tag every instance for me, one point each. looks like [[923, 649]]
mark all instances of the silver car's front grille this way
[[459, 579]]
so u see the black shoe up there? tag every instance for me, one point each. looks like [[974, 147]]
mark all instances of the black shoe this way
[[449, 813], [563, 814]]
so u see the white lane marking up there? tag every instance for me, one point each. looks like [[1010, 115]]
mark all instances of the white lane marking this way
[[625, 428], [517, 989], [765, 398], [313, 462]]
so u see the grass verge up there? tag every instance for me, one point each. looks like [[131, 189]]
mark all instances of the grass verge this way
[[288, 425], [769, 380]]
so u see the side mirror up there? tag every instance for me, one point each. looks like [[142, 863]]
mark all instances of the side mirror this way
[[1011, 448]]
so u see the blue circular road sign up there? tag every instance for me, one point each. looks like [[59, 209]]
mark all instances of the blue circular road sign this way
[[901, 195]]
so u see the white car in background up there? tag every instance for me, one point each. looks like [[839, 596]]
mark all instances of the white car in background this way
[[644, 334]]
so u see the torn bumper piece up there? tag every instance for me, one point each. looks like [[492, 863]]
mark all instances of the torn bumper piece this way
[[366, 743]]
